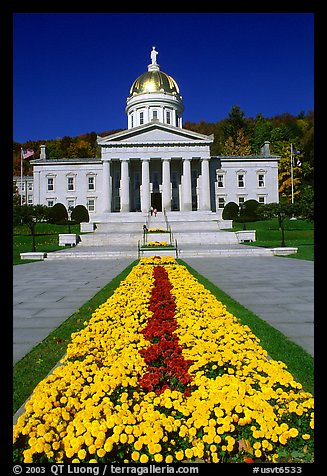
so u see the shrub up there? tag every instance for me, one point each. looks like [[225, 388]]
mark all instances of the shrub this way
[[58, 214], [249, 211], [80, 214], [230, 211]]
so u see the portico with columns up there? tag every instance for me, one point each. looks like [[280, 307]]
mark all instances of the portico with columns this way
[[155, 165]]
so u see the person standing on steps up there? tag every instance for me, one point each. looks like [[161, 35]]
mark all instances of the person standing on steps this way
[[155, 212], [151, 211]]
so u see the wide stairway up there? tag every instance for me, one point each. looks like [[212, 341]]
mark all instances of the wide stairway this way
[[194, 233]]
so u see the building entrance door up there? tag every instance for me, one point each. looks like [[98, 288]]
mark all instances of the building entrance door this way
[[156, 201]]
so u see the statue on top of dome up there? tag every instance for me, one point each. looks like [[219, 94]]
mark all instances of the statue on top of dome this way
[[154, 55]]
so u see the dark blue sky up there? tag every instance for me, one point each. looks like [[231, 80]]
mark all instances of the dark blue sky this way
[[72, 71]]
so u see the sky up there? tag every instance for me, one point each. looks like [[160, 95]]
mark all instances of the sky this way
[[72, 72]]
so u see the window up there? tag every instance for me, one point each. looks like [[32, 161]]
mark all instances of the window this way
[[70, 204], [261, 180], [50, 203], [91, 183], [240, 180], [30, 186], [50, 184], [262, 199], [30, 199], [142, 117], [132, 120], [241, 200], [70, 184], [168, 117], [155, 115], [220, 180], [221, 202], [91, 205]]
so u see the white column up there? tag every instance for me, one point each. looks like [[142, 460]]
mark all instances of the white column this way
[[187, 187], [166, 186], [205, 186], [106, 188], [145, 190], [124, 186]]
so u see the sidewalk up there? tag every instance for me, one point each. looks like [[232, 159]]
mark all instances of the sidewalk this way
[[46, 293], [278, 290]]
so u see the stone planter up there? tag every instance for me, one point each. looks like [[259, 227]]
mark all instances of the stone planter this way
[[87, 227], [68, 239], [245, 235]]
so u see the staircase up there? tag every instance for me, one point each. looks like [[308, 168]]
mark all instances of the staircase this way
[[197, 234]]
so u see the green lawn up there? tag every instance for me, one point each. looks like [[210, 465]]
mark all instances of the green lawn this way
[[47, 239], [298, 233]]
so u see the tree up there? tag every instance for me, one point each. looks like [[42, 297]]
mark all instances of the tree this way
[[30, 215], [238, 146], [281, 211], [236, 121], [306, 204]]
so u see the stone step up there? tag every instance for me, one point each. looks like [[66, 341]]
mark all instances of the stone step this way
[[190, 252], [107, 239], [217, 237]]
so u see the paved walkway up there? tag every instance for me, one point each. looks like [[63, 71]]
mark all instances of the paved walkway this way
[[46, 293], [279, 290]]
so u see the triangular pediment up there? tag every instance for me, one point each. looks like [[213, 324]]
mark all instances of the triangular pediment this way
[[155, 133]]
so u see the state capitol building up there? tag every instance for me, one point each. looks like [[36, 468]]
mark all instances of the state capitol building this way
[[155, 162]]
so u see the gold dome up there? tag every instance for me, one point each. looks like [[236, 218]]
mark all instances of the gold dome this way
[[154, 82]]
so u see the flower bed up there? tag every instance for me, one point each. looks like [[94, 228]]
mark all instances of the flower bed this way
[[163, 372], [157, 230], [153, 244]]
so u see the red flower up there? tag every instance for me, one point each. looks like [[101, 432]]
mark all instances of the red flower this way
[[167, 367]]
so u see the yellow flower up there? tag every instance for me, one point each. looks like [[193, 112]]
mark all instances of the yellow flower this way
[[81, 454], [179, 455], [158, 458], [144, 458], [306, 436], [135, 456], [293, 432], [189, 453]]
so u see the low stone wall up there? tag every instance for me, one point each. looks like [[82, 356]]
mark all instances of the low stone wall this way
[[37, 255]]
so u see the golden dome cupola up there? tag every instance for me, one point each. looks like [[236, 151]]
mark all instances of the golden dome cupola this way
[[154, 97]]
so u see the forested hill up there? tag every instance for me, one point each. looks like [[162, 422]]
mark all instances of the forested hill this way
[[234, 135]]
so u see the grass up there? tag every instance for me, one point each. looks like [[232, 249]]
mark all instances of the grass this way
[[47, 239], [298, 233], [300, 364], [36, 365]]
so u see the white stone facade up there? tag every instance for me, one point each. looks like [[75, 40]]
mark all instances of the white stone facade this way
[[155, 162]]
